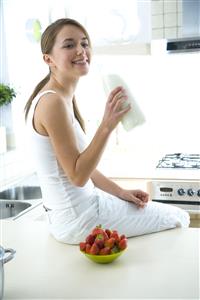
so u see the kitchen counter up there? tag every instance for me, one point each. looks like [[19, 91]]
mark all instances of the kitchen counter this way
[[159, 265]]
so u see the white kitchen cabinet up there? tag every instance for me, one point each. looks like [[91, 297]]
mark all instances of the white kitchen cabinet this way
[[118, 24], [114, 21]]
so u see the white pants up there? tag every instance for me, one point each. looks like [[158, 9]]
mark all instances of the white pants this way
[[127, 218], [115, 214]]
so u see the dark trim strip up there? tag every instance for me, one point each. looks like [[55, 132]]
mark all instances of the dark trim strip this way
[[178, 202]]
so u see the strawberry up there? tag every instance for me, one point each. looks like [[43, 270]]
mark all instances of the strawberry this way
[[94, 249], [115, 235], [108, 232], [90, 239], [100, 243], [87, 248], [110, 243], [97, 230], [82, 246], [102, 236], [123, 244], [99, 233], [104, 251], [122, 237], [115, 249]]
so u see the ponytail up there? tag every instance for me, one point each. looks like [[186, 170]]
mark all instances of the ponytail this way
[[78, 115], [38, 87]]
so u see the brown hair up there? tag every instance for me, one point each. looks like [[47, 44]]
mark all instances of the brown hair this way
[[47, 43]]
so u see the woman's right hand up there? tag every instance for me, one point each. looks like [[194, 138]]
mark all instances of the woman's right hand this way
[[115, 108]]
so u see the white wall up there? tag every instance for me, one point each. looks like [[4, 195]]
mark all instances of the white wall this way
[[166, 88]]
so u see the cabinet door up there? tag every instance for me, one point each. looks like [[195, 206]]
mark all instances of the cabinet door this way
[[113, 22]]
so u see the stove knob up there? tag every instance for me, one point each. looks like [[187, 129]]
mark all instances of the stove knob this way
[[181, 192], [190, 192], [198, 193]]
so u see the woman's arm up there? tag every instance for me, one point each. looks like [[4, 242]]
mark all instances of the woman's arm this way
[[53, 114], [104, 183], [138, 197]]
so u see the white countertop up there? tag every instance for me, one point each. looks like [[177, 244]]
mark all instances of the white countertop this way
[[160, 265]]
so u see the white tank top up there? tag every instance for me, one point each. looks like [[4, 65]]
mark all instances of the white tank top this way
[[57, 191]]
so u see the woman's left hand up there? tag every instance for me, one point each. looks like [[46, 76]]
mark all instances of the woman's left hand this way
[[138, 197]]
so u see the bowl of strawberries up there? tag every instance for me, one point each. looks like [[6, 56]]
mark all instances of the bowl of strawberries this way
[[103, 245]]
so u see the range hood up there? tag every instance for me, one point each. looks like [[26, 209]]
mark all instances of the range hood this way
[[190, 40], [189, 44], [181, 45]]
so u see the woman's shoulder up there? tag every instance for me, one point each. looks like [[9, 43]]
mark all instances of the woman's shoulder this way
[[52, 105], [49, 98], [46, 93]]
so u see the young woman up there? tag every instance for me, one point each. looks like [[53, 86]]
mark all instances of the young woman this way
[[76, 196]]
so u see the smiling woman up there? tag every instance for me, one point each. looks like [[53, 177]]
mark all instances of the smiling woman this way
[[68, 52], [62, 43], [76, 196]]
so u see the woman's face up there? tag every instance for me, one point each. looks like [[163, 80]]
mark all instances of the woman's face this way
[[71, 53]]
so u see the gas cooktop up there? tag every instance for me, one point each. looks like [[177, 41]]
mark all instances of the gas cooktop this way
[[180, 160]]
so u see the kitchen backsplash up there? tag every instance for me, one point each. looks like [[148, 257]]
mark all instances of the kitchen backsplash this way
[[166, 19]]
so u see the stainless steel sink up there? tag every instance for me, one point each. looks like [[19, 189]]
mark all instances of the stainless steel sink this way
[[20, 198], [10, 208], [21, 193]]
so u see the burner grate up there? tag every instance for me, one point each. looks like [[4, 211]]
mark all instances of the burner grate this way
[[180, 160]]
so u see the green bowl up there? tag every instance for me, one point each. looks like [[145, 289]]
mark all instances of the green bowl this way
[[103, 259]]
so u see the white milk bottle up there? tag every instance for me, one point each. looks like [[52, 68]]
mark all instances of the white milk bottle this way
[[134, 116]]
